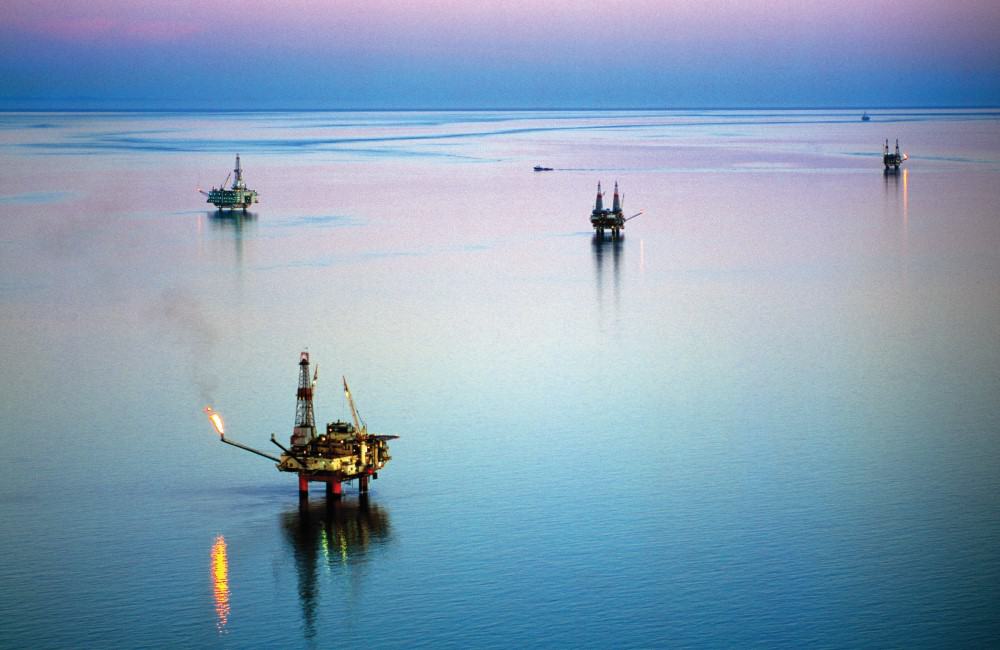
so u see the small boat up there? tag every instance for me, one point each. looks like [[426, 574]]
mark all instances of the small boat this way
[[539, 168], [865, 117]]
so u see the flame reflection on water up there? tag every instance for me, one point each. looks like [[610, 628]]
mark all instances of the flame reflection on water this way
[[220, 582]]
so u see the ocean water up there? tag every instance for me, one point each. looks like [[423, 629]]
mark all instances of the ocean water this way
[[769, 416]]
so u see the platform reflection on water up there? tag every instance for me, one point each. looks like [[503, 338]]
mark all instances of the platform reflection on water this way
[[327, 539]]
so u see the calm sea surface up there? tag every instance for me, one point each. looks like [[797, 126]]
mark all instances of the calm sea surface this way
[[770, 416]]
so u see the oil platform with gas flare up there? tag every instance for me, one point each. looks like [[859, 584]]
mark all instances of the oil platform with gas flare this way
[[238, 196], [891, 160], [614, 219], [344, 453]]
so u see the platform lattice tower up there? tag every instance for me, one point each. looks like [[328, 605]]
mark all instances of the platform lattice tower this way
[[305, 423]]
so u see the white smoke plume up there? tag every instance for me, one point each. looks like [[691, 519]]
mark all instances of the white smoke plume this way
[[192, 330]]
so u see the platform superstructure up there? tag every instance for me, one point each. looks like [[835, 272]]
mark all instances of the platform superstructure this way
[[344, 452], [237, 196]]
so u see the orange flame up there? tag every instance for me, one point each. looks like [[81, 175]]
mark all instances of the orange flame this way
[[216, 420]]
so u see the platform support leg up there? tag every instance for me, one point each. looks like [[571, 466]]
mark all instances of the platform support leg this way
[[362, 484], [303, 489]]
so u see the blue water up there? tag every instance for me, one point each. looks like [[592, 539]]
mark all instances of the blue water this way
[[767, 417]]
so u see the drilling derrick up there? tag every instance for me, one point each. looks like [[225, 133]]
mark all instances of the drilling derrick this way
[[305, 424], [238, 181]]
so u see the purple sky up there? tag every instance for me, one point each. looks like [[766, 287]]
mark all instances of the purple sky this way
[[487, 53]]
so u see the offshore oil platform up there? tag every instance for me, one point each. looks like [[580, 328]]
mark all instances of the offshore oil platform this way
[[238, 196], [344, 453], [892, 160], [614, 219]]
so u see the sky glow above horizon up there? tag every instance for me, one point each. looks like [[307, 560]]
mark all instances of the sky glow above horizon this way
[[491, 54]]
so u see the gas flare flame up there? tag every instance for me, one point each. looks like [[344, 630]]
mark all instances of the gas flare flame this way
[[216, 421]]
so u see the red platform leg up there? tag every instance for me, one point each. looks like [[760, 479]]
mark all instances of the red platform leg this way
[[303, 488]]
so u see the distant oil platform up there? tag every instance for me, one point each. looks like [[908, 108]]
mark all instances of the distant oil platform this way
[[612, 219], [344, 453], [892, 160], [238, 196]]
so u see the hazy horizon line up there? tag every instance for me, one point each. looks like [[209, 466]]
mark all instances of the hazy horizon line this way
[[481, 109]]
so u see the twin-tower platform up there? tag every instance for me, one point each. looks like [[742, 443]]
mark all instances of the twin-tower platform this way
[[612, 219], [892, 160]]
